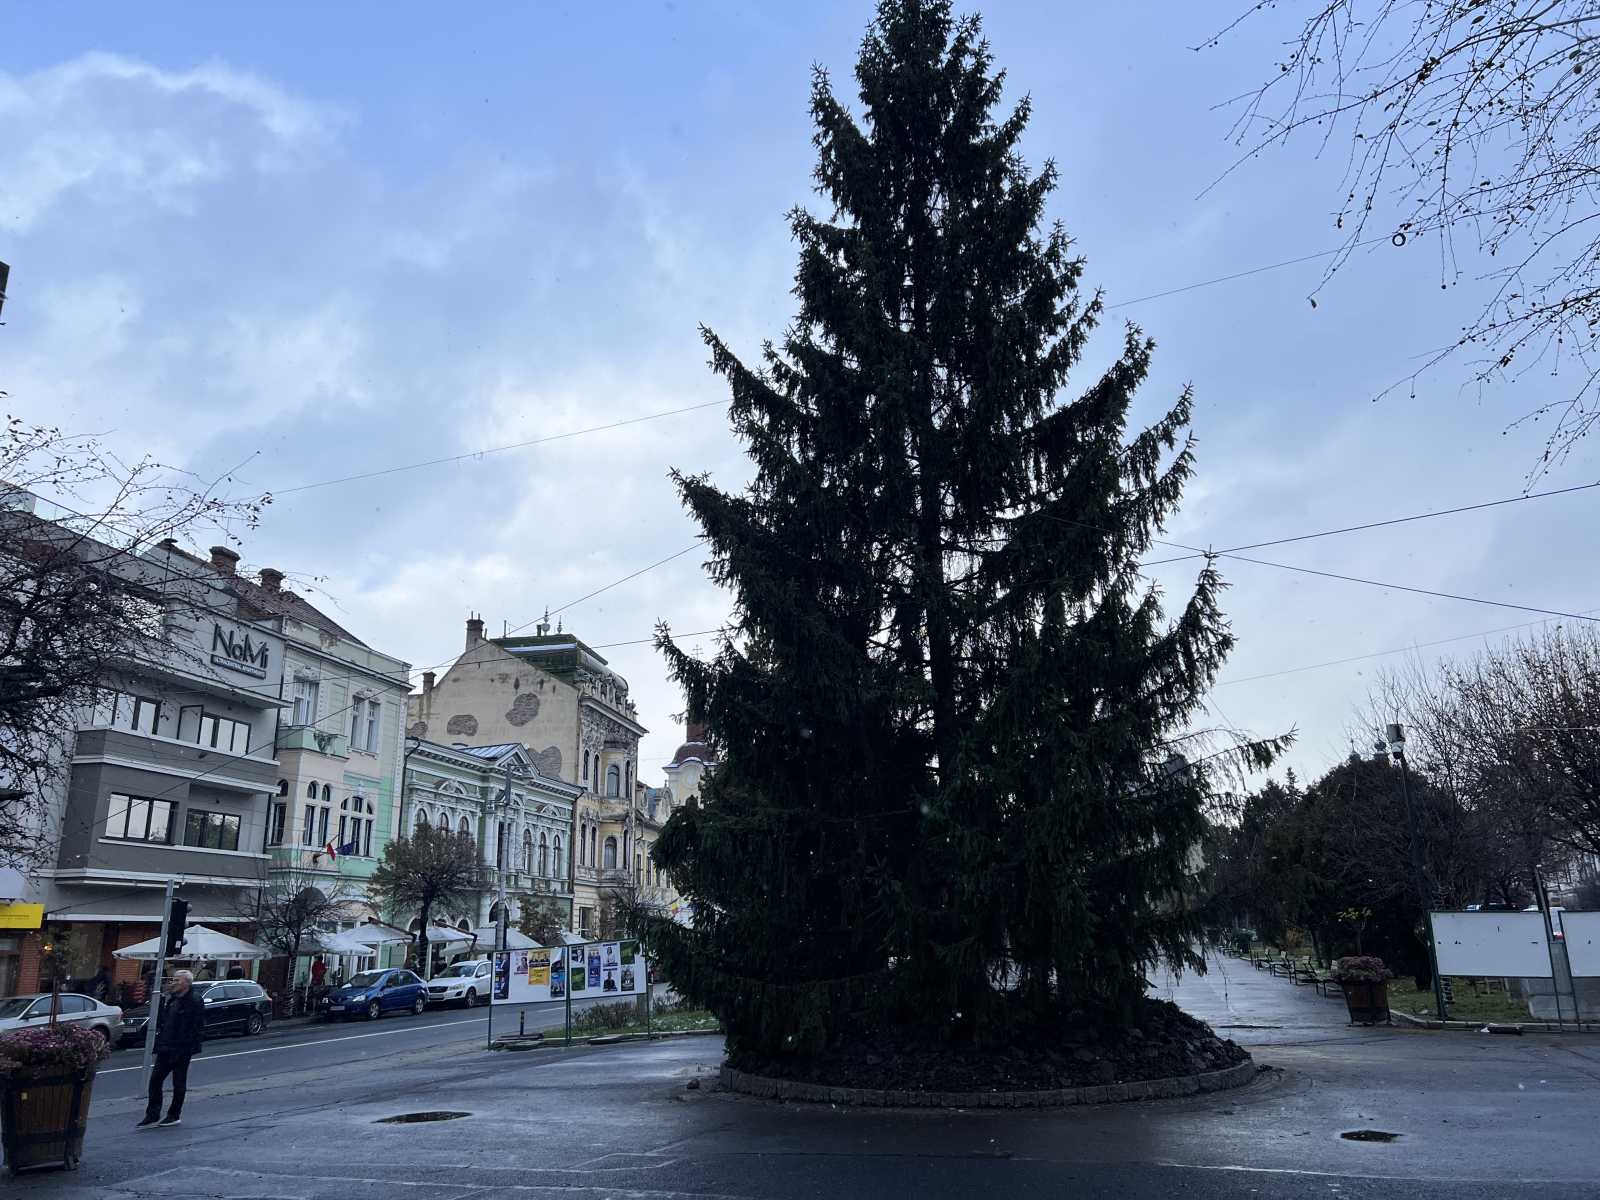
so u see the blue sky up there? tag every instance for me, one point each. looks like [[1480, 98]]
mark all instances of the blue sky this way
[[333, 239]]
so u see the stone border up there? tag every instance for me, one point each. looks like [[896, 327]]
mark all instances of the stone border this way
[[1110, 1093]]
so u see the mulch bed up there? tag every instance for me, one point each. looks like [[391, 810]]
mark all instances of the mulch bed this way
[[1166, 1042]]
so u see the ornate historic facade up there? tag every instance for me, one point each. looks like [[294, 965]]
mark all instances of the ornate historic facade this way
[[559, 699]]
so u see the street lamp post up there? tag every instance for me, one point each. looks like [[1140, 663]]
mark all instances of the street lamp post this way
[[1396, 737]]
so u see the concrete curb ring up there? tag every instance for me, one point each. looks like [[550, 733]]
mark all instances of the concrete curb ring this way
[[1110, 1093]]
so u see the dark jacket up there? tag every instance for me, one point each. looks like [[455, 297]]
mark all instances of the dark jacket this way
[[181, 1025]]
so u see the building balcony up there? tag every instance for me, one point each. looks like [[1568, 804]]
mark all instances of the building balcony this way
[[182, 760], [318, 741]]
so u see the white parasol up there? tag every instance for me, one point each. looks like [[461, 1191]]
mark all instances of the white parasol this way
[[200, 944]]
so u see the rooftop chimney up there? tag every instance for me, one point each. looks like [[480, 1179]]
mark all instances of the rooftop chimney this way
[[271, 579], [695, 731], [427, 682], [474, 631], [224, 560]]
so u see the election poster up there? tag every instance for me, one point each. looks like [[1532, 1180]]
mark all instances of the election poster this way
[[610, 967], [629, 956], [558, 974]]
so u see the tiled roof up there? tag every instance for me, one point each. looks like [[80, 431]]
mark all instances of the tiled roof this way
[[258, 602]]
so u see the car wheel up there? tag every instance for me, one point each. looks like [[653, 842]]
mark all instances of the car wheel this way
[[105, 1034], [254, 1025], [373, 1011], [418, 1005], [472, 998]]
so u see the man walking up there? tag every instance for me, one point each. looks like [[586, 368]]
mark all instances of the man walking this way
[[180, 1028]]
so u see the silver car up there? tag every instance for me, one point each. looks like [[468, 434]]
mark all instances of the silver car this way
[[29, 1012]]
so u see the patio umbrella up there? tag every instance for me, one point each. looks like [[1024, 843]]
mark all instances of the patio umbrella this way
[[338, 943], [374, 933], [200, 944], [515, 939], [444, 935]]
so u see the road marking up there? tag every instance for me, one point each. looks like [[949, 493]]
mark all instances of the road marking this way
[[317, 1042]]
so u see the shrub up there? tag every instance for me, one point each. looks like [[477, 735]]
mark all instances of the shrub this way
[[1361, 968], [605, 1017], [50, 1050]]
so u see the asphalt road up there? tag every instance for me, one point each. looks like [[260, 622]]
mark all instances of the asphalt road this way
[[292, 1046], [1473, 1116]]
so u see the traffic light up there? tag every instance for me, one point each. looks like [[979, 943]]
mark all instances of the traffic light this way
[[177, 918]]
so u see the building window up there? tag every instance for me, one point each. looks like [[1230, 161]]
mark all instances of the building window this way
[[356, 818], [586, 766], [544, 855], [527, 851], [196, 725], [421, 820], [611, 851], [136, 819], [613, 780], [557, 863], [305, 702], [586, 921], [627, 781], [278, 815], [211, 830], [366, 722], [638, 869], [142, 714], [465, 827]]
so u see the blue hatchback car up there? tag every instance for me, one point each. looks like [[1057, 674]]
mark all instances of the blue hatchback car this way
[[373, 993]]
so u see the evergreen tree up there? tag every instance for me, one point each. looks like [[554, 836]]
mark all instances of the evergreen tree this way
[[948, 711]]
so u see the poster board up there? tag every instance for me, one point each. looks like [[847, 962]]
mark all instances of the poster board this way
[[1582, 933], [1492, 943], [592, 970]]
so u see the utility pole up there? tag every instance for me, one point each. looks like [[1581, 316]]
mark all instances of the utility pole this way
[[502, 853], [154, 1001], [1396, 736]]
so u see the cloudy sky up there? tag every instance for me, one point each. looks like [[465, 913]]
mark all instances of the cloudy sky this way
[[325, 241]]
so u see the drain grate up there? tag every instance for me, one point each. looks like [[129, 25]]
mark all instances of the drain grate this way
[[1369, 1135], [414, 1118]]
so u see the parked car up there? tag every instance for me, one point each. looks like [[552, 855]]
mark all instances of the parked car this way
[[373, 993], [467, 983], [29, 1012], [232, 1006]]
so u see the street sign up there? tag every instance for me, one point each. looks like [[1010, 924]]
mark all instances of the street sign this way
[[21, 916]]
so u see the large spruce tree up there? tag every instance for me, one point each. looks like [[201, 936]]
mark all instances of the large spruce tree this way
[[949, 705]]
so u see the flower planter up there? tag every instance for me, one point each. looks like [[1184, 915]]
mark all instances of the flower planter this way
[[42, 1119], [1368, 1003]]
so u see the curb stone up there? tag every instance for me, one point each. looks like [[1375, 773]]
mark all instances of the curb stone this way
[[1172, 1087]]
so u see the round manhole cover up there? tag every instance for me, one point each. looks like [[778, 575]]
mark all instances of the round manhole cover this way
[[1369, 1135], [414, 1118]]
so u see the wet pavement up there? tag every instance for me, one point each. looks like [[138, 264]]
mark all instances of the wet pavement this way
[[1473, 1115]]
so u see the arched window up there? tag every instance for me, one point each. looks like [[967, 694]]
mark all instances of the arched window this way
[[627, 780], [544, 855], [527, 850], [611, 851], [586, 766], [638, 869], [420, 820], [613, 781], [464, 925], [494, 913], [594, 857], [556, 861], [465, 827], [357, 815]]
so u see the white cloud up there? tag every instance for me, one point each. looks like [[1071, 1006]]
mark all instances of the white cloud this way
[[117, 130]]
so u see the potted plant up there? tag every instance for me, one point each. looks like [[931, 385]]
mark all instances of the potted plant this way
[[1365, 983], [46, 1075]]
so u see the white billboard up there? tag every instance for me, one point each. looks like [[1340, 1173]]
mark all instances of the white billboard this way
[[1492, 943], [589, 971], [1582, 935]]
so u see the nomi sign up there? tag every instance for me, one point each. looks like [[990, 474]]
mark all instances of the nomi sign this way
[[237, 653]]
